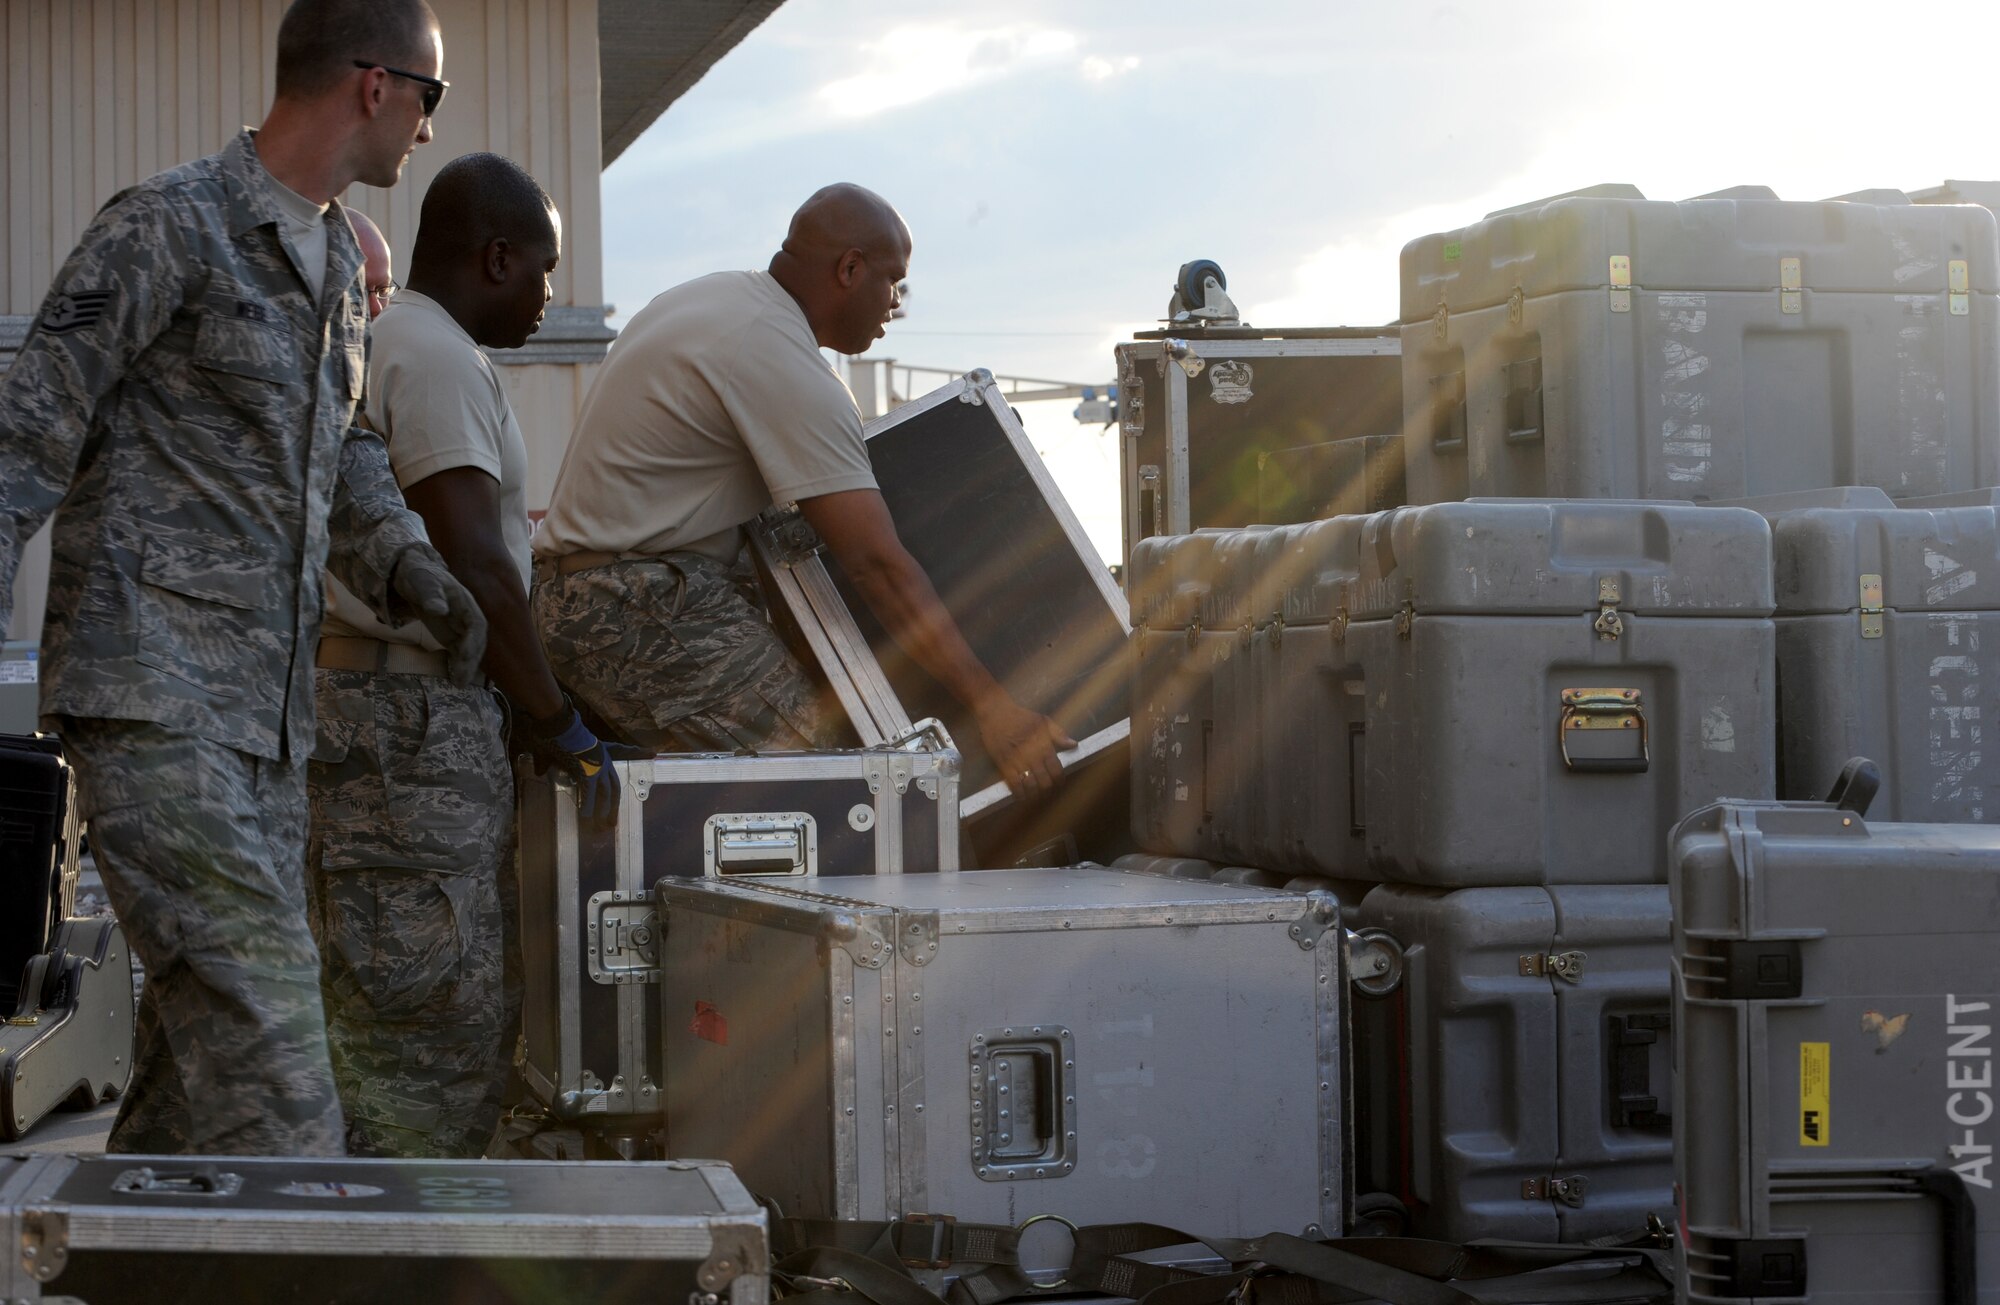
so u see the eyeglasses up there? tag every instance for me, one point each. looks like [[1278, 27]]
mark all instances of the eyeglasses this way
[[433, 88], [384, 292]]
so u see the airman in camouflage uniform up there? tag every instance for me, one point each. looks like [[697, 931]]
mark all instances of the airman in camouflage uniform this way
[[411, 865], [185, 396]]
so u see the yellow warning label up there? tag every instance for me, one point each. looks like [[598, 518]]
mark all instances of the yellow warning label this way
[[1815, 1094]]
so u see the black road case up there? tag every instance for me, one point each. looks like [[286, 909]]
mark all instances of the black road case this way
[[174, 1230]]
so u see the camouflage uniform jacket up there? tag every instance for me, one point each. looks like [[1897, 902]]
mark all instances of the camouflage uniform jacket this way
[[188, 403]]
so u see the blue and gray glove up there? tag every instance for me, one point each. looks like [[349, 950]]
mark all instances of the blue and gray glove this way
[[564, 741]]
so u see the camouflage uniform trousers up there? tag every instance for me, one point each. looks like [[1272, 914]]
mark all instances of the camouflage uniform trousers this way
[[673, 653], [202, 850], [411, 871]]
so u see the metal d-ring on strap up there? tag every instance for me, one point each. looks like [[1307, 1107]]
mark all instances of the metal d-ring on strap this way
[[1030, 1222]]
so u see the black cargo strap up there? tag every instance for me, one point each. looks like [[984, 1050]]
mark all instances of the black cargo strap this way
[[917, 1241], [843, 1261]]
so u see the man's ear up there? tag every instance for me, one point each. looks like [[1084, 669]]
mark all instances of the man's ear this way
[[499, 260], [374, 90], [848, 269]]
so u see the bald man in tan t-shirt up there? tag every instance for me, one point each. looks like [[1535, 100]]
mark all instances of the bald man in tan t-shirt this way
[[715, 403]]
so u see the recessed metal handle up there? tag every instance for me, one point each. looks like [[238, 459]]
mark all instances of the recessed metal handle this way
[[1604, 730], [195, 1180], [760, 843], [1023, 1103]]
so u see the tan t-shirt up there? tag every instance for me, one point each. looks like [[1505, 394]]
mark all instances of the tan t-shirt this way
[[714, 403], [439, 404]]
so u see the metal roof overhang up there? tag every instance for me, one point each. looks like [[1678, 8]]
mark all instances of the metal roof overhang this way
[[651, 52]]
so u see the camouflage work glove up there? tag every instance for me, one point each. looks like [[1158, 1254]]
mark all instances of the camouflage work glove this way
[[424, 582], [565, 742]]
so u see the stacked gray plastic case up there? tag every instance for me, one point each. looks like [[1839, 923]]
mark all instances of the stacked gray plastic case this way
[[1078, 1042], [591, 940], [1888, 624], [1514, 1083], [1238, 426], [1548, 686], [1606, 346], [1835, 991], [180, 1230], [1245, 706]]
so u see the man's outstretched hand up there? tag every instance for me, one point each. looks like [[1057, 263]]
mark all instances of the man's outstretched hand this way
[[1023, 744]]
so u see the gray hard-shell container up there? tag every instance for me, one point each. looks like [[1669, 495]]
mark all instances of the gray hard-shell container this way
[[1597, 347], [1888, 638], [1514, 1084], [1835, 989], [994, 1044], [1194, 764], [1246, 714], [1548, 686]]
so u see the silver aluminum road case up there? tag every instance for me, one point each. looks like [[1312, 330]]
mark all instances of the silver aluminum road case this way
[[1836, 984], [1547, 686], [1211, 420], [1606, 346], [1513, 1082], [179, 1230], [978, 511], [997, 1044], [590, 941]]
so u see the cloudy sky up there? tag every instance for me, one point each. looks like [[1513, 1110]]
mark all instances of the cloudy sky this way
[[1058, 161]]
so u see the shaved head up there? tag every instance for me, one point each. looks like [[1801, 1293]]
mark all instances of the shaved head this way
[[844, 261], [476, 199], [845, 216], [375, 268]]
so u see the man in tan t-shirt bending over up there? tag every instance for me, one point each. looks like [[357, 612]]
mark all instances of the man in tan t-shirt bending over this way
[[715, 403]]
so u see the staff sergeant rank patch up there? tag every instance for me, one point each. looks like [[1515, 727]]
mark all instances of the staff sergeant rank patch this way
[[74, 311]]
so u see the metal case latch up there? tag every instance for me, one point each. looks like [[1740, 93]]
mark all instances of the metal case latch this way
[[1023, 1103], [759, 843], [1567, 966], [1604, 730], [1960, 281], [624, 942], [1871, 606], [1564, 1191], [1610, 623]]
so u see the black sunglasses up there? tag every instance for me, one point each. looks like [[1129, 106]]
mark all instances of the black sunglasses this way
[[433, 88]]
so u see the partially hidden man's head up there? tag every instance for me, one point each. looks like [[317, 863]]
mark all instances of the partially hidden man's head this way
[[374, 66], [489, 230], [377, 274], [845, 259]]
